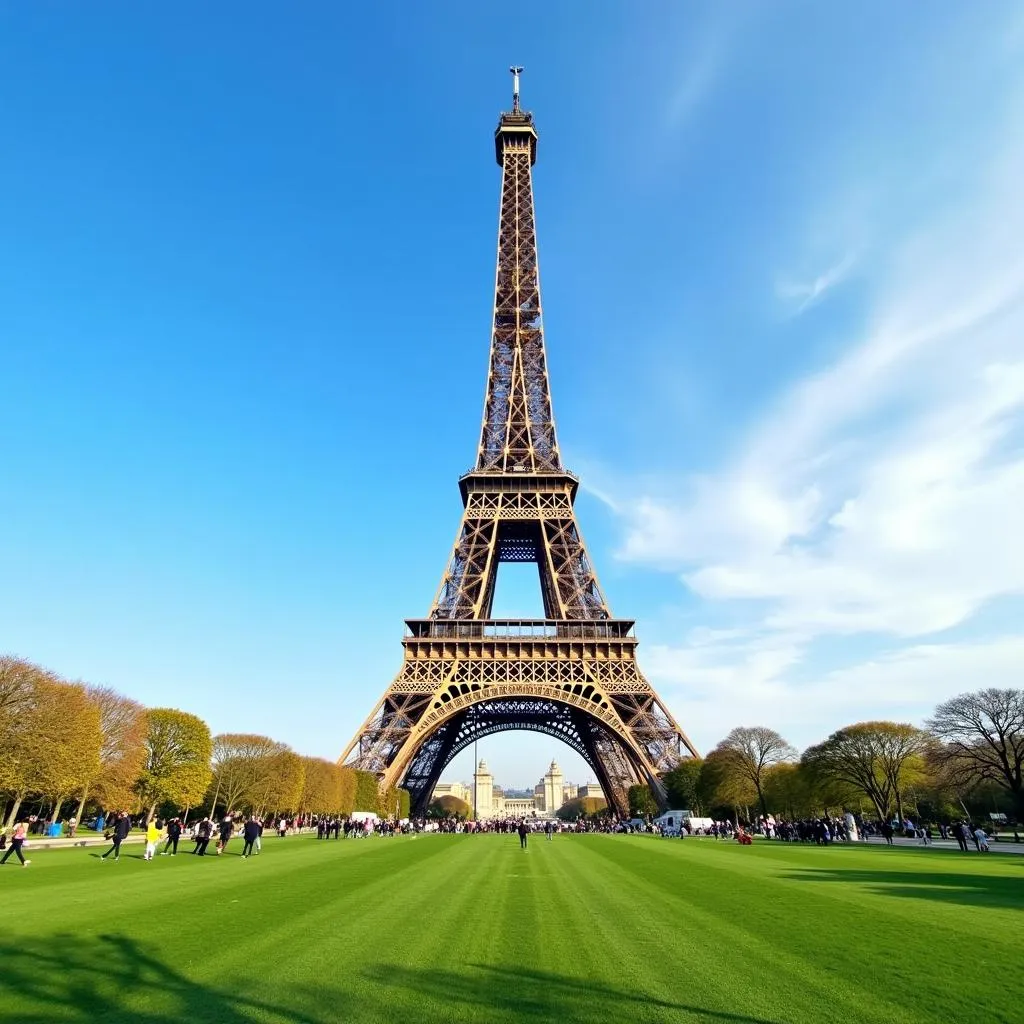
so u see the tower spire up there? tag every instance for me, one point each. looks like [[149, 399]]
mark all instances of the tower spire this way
[[516, 72]]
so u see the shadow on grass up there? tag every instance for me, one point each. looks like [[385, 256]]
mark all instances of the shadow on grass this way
[[112, 978], [940, 886], [511, 993]]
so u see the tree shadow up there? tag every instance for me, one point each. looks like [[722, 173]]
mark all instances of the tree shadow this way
[[1005, 892], [513, 993], [116, 979]]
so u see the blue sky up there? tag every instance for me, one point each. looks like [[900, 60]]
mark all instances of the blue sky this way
[[245, 289]]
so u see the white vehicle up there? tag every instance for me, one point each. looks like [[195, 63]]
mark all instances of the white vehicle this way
[[671, 822]]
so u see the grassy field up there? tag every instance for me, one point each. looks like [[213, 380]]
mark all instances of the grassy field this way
[[471, 928]]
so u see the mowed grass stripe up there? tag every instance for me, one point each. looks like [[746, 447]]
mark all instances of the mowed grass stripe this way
[[824, 939], [471, 928]]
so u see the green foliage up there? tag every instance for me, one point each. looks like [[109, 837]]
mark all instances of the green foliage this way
[[449, 807], [176, 768], [367, 795], [642, 802], [686, 787], [582, 807], [404, 803]]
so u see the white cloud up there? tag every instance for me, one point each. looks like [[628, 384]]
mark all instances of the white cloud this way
[[881, 494], [750, 683], [806, 294]]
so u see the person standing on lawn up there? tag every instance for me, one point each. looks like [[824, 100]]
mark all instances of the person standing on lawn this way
[[203, 833], [251, 835], [523, 832], [17, 842]]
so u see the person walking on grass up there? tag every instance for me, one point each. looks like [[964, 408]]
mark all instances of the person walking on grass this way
[[251, 835], [17, 842], [523, 832], [203, 833], [122, 826], [152, 838], [227, 827], [173, 835], [961, 833], [549, 830]]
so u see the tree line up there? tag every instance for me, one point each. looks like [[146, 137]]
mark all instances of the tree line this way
[[968, 757], [71, 746]]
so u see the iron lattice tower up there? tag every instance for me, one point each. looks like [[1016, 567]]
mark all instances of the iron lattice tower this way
[[573, 674]]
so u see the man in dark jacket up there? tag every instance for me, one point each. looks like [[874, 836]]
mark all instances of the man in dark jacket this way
[[203, 833], [173, 835], [122, 826], [523, 831], [250, 833], [227, 827]]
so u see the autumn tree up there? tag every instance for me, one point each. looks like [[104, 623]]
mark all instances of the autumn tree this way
[[282, 787], [321, 792], [982, 738], [748, 752], [448, 806], [56, 744], [243, 766], [123, 728], [176, 767], [725, 786], [879, 759], [582, 807]]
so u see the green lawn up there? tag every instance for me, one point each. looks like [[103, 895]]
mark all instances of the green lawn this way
[[470, 928]]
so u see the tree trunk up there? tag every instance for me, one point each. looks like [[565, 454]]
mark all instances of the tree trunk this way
[[81, 805], [151, 812], [15, 807], [764, 805], [899, 806], [56, 810]]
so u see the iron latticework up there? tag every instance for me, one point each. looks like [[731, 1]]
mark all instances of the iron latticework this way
[[573, 674]]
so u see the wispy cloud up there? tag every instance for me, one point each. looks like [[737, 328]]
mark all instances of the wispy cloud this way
[[880, 494], [808, 293]]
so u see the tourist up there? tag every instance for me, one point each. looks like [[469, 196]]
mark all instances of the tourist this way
[[173, 835], [523, 833], [152, 838], [251, 835], [72, 825], [203, 832], [227, 826], [122, 826], [549, 830], [17, 842], [962, 832], [981, 840]]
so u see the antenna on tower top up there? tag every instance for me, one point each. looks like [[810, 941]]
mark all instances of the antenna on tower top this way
[[516, 72]]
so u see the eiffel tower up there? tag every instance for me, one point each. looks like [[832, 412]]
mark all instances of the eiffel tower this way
[[573, 674]]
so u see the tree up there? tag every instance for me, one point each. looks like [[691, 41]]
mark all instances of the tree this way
[[448, 806], [726, 787], [748, 752], [282, 786], [321, 792], [123, 726], [686, 786], [367, 795], [582, 807], [641, 801], [55, 747], [878, 759], [176, 767], [983, 739], [243, 766]]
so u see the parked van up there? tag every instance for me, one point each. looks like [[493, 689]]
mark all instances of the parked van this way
[[671, 822]]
